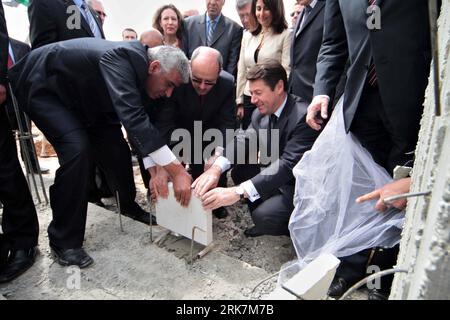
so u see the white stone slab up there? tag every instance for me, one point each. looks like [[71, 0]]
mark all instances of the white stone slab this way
[[171, 215], [312, 282]]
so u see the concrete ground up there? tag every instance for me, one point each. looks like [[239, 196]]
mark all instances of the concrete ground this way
[[129, 266]]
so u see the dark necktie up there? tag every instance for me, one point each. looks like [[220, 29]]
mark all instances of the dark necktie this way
[[372, 74], [10, 61], [272, 125]]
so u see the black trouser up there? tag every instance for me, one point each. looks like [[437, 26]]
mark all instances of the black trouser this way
[[271, 214], [77, 146], [388, 145], [248, 111], [19, 222]]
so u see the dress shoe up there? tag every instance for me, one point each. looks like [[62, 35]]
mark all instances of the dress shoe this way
[[220, 213], [338, 287], [376, 294], [97, 202], [253, 232], [72, 257], [135, 212], [18, 262]]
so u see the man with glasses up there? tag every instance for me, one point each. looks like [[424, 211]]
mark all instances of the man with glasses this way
[[97, 6], [207, 101]]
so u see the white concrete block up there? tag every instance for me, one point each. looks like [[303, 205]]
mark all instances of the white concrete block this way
[[171, 215], [313, 281]]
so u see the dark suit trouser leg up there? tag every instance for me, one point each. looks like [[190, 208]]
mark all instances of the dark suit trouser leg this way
[[271, 216], [113, 155], [19, 222], [68, 194]]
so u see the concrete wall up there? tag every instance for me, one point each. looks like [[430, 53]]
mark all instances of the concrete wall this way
[[424, 249]]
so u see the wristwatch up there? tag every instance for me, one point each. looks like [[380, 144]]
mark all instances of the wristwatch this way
[[240, 191]]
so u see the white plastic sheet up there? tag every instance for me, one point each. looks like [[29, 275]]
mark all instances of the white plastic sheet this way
[[326, 218]]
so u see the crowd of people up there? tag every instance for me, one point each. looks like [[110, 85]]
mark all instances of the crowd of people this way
[[274, 85]]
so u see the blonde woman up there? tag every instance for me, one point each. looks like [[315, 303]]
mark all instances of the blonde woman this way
[[270, 40]]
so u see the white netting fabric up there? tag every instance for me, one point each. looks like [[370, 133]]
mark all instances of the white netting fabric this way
[[326, 218]]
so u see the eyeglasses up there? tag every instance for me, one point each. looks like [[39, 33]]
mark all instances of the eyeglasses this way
[[200, 81], [101, 14]]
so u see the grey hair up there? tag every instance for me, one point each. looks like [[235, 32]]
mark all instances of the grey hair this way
[[219, 55], [242, 3], [170, 58]]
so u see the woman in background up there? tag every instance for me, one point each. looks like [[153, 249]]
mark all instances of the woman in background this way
[[270, 40], [169, 22]]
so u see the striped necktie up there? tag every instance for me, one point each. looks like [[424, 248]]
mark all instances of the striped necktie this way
[[90, 19], [212, 25]]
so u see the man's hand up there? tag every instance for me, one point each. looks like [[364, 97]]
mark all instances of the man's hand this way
[[2, 93], [391, 189], [181, 182], [207, 181], [158, 183], [319, 103], [220, 197], [240, 111], [210, 162]]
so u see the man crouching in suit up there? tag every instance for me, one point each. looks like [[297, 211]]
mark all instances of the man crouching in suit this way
[[269, 190], [207, 102], [54, 86]]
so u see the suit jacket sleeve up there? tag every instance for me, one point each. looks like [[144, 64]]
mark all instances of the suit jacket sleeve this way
[[42, 24], [333, 52], [165, 117], [3, 47], [286, 51], [121, 81], [233, 57], [228, 110], [242, 70], [280, 173]]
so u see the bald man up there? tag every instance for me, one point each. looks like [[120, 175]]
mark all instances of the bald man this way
[[207, 100], [152, 38]]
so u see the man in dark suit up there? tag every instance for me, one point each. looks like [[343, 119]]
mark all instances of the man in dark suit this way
[[278, 123], [207, 102], [214, 30], [19, 219], [54, 87], [306, 42], [388, 47], [59, 20]]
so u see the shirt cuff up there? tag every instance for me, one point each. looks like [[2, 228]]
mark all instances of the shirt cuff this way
[[148, 162], [252, 193], [223, 163], [163, 156], [322, 96]]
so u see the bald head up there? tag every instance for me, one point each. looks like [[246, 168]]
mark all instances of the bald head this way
[[152, 38], [206, 64]]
